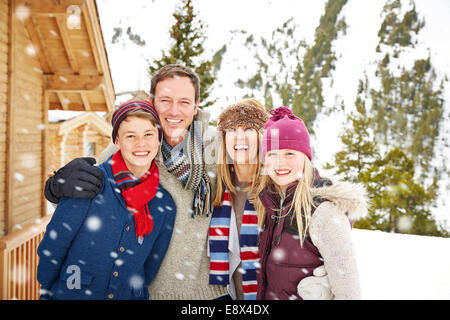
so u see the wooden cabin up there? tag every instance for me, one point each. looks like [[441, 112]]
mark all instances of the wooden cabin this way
[[52, 57], [86, 135]]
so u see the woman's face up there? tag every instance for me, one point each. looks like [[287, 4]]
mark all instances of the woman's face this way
[[284, 166], [241, 145]]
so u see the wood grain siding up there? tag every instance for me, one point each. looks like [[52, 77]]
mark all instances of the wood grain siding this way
[[4, 50], [26, 121]]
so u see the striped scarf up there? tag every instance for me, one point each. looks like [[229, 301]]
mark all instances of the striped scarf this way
[[219, 233], [186, 162], [136, 192]]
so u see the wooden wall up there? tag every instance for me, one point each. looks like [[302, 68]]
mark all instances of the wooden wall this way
[[4, 21], [64, 148], [26, 117]]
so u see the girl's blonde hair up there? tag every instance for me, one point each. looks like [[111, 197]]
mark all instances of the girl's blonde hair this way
[[224, 168], [302, 201]]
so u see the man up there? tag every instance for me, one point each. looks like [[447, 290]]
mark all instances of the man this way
[[187, 169]]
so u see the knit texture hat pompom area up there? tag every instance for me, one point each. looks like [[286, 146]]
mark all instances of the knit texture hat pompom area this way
[[243, 114], [285, 130]]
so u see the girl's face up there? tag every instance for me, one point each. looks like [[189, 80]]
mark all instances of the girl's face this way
[[242, 145], [284, 166], [138, 141]]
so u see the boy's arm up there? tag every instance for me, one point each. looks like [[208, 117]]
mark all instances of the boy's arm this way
[[60, 232]]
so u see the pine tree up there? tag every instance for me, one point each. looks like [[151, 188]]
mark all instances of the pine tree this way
[[298, 85], [188, 37], [403, 115]]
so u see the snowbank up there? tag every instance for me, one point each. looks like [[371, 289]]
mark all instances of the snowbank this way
[[399, 266]]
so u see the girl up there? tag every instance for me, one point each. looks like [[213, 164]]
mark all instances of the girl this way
[[233, 230], [111, 246], [305, 222]]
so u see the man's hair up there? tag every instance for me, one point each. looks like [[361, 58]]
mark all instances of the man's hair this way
[[171, 71]]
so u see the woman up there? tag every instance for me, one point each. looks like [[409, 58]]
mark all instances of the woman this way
[[233, 230], [305, 221]]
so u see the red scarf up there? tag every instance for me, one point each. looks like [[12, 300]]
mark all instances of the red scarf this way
[[136, 192]]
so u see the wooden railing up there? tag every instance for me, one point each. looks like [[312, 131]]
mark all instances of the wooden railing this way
[[19, 260]]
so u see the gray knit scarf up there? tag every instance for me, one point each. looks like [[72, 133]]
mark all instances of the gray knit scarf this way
[[186, 162]]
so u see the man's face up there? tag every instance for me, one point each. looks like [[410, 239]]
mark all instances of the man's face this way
[[176, 106]]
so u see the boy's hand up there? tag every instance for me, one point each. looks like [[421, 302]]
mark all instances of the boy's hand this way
[[77, 179]]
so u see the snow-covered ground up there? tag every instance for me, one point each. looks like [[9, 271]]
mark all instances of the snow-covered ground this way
[[400, 266]]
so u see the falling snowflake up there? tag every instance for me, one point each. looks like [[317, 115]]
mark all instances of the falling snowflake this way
[[53, 234], [159, 194], [22, 272], [30, 50], [46, 253], [19, 177], [179, 276], [405, 223], [22, 12], [93, 223], [136, 282], [119, 262], [113, 254], [211, 174], [279, 254]]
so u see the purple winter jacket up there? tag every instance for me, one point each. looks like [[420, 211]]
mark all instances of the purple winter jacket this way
[[283, 261]]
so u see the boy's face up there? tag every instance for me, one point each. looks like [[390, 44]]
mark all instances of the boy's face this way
[[284, 166], [138, 141], [176, 106]]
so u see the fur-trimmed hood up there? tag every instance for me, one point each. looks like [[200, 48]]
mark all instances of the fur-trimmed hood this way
[[351, 198]]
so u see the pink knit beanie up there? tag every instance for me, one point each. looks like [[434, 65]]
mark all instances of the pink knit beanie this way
[[285, 130]]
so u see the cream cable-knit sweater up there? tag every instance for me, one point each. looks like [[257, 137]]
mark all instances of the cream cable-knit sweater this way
[[330, 232]]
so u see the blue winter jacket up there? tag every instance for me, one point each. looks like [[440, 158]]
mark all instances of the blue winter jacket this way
[[90, 249]]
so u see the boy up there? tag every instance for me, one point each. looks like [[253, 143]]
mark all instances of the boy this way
[[111, 246]]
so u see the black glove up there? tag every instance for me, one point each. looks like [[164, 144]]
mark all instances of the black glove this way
[[77, 179]]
